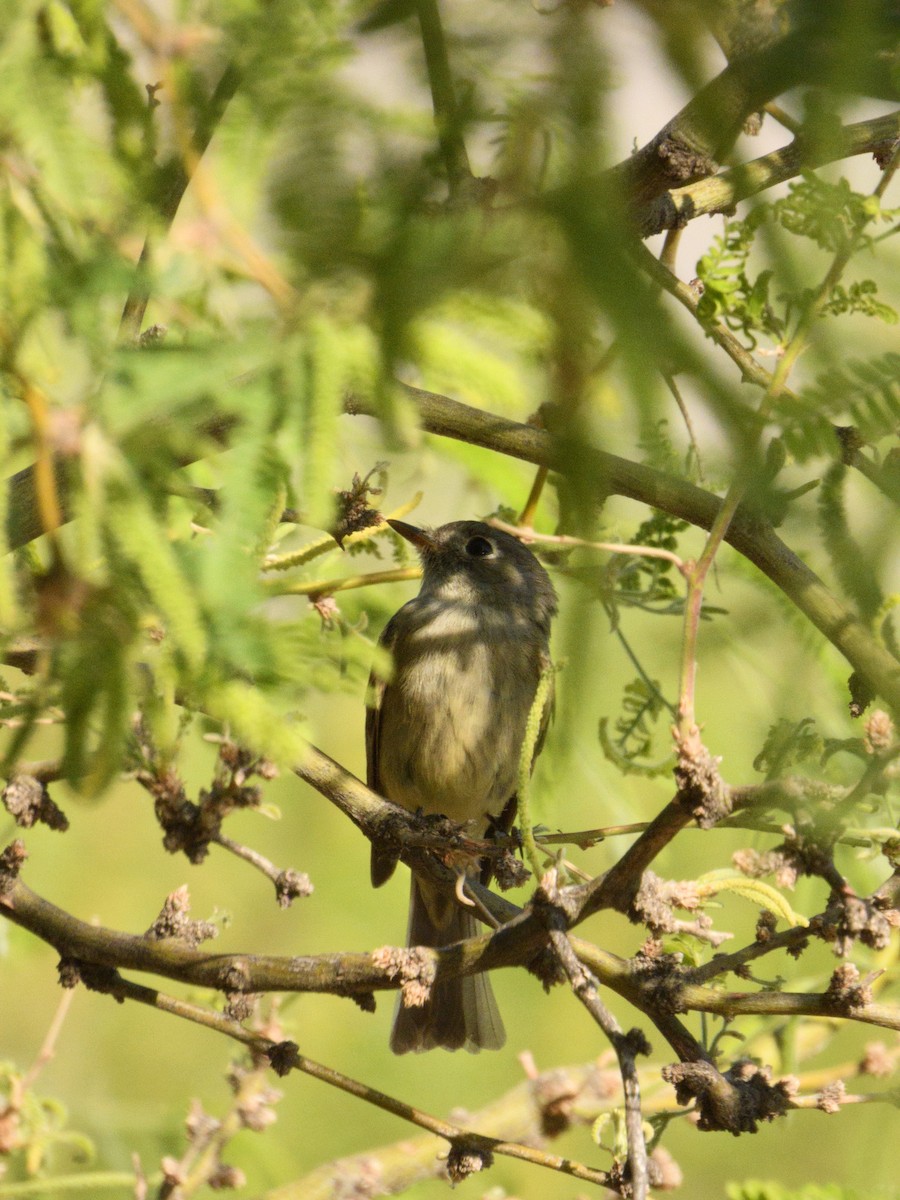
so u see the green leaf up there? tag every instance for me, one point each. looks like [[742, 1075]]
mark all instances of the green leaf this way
[[761, 894]]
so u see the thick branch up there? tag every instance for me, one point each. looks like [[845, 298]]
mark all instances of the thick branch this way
[[748, 533], [516, 943], [720, 193], [688, 147]]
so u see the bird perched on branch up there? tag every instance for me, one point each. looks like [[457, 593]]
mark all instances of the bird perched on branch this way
[[444, 735]]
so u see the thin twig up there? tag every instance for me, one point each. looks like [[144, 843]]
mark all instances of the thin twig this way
[[178, 176], [48, 1047], [319, 588], [688, 423], [526, 517], [585, 987], [529, 535], [267, 1047], [327, 543]]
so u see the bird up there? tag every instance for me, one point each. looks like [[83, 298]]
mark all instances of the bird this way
[[444, 735]]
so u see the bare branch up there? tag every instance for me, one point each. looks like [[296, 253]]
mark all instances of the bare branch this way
[[720, 193]]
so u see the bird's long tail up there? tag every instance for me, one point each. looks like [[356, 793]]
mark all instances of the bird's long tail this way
[[460, 1013]]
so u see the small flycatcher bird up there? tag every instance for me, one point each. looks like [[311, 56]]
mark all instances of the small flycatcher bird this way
[[445, 735]]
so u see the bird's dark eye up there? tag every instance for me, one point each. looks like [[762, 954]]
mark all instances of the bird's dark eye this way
[[479, 547]]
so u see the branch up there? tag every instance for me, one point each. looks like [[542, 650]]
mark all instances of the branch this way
[[720, 193], [688, 147], [446, 111], [82, 942], [470, 1151], [626, 1046], [540, 1108], [762, 67], [749, 533], [791, 1004], [173, 178]]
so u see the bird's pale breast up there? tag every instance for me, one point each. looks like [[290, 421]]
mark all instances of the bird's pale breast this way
[[453, 717]]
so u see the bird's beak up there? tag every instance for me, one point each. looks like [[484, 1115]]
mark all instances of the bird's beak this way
[[420, 538]]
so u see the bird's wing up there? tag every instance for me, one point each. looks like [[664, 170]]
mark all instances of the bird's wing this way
[[384, 860]]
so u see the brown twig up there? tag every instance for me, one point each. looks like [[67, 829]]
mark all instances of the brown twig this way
[[527, 534], [286, 1056], [721, 192], [626, 1046], [176, 175], [288, 884], [47, 1050]]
